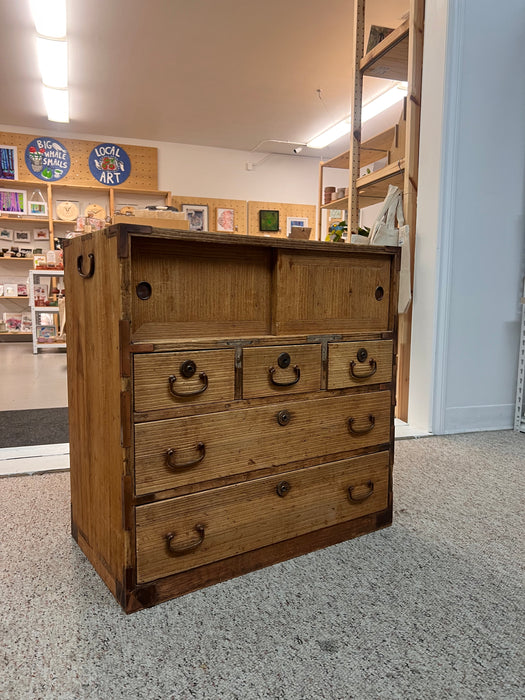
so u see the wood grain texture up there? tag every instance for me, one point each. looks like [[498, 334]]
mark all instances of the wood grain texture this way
[[152, 385], [97, 461], [257, 378], [248, 516], [330, 294], [240, 441], [340, 355]]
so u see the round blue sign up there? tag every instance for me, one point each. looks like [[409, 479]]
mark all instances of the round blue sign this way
[[47, 159], [109, 164]]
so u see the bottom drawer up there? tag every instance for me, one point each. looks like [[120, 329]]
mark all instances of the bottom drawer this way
[[189, 531]]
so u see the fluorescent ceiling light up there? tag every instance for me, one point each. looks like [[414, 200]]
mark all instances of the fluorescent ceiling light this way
[[57, 104], [332, 134], [49, 17], [384, 101], [371, 109], [52, 59]]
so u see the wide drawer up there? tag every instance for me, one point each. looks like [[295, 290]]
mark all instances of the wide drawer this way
[[359, 363], [180, 451], [282, 369], [189, 531], [167, 379]]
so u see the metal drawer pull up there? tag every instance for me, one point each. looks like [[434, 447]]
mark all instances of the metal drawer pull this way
[[297, 371], [373, 368], [91, 271], [170, 458], [185, 548], [364, 496], [361, 431], [202, 376]]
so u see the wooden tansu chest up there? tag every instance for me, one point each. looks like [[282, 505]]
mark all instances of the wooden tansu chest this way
[[231, 402]]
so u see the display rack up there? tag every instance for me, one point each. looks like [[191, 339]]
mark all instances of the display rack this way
[[399, 57], [519, 418], [37, 311]]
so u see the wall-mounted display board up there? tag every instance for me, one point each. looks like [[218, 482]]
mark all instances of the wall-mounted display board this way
[[77, 162], [224, 215], [304, 212]]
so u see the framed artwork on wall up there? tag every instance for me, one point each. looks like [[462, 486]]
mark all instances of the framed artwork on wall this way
[[197, 216], [225, 220], [6, 234], [299, 221], [268, 220], [41, 234], [13, 201], [8, 163], [22, 236]]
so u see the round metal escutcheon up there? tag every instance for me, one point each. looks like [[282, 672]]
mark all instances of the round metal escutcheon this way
[[188, 369], [284, 360], [143, 290], [283, 417], [380, 293], [283, 487], [362, 354]]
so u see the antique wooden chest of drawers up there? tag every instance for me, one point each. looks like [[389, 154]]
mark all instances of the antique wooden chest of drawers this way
[[231, 402]]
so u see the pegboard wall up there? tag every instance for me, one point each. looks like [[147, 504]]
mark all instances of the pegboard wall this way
[[238, 206], [143, 174], [307, 211]]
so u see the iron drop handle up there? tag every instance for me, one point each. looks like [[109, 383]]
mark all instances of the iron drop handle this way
[[362, 497], [170, 458], [373, 369], [202, 376], [185, 548], [80, 262], [361, 431], [297, 371]]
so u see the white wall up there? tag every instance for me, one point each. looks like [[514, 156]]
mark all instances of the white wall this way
[[469, 271]]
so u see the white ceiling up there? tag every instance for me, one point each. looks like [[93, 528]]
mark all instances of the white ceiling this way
[[225, 73]]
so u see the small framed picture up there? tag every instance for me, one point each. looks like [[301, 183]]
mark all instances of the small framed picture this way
[[22, 236], [10, 290], [8, 163], [13, 201], [6, 234], [296, 221], [225, 220], [21, 289], [197, 216], [40, 234], [268, 220]]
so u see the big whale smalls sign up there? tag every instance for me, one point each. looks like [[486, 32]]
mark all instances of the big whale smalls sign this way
[[47, 159], [109, 164]]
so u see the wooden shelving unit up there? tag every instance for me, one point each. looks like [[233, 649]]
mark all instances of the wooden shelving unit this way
[[399, 57]]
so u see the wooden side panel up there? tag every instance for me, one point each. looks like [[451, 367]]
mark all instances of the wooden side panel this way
[[303, 373], [375, 368], [239, 441], [153, 388], [331, 294], [207, 290], [244, 517], [94, 399]]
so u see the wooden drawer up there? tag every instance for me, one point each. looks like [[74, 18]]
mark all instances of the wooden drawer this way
[[160, 381], [210, 446], [223, 522], [359, 363], [281, 369]]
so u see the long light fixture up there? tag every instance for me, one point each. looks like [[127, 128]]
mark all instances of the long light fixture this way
[[371, 109], [52, 50]]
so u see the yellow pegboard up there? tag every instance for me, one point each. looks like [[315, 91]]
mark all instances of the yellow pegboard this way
[[307, 211], [238, 206]]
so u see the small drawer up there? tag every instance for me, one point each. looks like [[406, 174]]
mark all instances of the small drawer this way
[[186, 532], [281, 369], [359, 363], [193, 449], [167, 379]]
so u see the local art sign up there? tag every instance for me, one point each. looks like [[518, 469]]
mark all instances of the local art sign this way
[[47, 159], [109, 164]]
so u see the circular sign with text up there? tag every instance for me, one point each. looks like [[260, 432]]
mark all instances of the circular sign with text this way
[[47, 159], [109, 164]]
